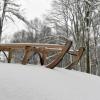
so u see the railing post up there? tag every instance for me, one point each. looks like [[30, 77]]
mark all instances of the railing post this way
[[9, 55]]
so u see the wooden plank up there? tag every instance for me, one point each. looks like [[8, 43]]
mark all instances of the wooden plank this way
[[60, 56], [27, 54], [77, 57], [9, 56], [23, 45]]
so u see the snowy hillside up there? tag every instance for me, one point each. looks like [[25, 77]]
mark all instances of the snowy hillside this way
[[28, 82]]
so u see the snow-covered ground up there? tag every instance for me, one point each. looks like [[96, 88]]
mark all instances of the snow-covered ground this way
[[29, 82]]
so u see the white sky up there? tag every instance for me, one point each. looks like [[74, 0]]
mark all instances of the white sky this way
[[32, 9], [35, 8]]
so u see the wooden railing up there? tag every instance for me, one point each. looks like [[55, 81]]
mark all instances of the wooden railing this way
[[43, 50]]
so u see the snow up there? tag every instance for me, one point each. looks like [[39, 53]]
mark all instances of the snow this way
[[32, 82]]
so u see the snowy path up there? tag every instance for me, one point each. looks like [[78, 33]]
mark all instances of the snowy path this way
[[28, 82]]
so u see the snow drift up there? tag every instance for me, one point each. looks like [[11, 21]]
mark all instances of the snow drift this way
[[29, 82]]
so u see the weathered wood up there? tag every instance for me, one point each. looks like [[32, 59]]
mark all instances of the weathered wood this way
[[77, 56], [59, 57], [9, 56], [44, 55], [43, 51], [23, 45], [27, 54]]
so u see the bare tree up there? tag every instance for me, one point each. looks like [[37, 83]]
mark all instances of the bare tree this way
[[22, 37], [77, 18], [9, 9], [37, 34]]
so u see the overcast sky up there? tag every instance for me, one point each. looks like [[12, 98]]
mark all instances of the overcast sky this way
[[32, 9], [35, 8]]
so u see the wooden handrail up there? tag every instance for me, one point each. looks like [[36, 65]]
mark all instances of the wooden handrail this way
[[23, 45]]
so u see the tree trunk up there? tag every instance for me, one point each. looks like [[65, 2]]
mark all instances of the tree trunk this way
[[87, 55], [0, 29], [87, 20]]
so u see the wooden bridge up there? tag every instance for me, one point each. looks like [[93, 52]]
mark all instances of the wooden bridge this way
[[43, 50]]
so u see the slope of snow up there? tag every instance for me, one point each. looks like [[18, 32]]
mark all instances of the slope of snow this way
[[28, 82]]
